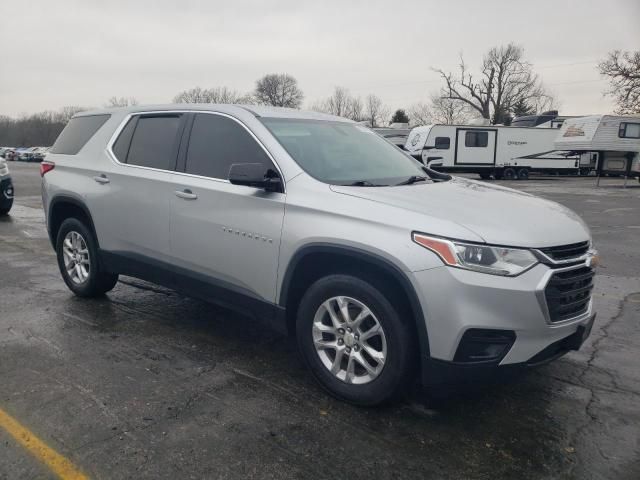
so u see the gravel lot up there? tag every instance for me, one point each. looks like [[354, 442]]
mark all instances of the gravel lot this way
[[147, 383]]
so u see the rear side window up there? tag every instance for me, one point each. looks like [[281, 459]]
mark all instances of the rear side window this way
[[154, 142], [121, 145], [216, 143], [77, 133], [443, 143], [476, 139], [629, 130]]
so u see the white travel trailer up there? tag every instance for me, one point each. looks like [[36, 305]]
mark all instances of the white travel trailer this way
[[615, 138], [498, 151]]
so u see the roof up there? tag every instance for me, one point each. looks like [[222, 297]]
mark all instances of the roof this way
[[257, 110]]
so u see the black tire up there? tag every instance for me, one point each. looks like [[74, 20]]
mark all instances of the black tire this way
[[98, 281], [497, 175], [523, 174], [509, 174], [397, 371]]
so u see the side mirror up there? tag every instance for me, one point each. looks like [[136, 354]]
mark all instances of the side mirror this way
[[255, 175]]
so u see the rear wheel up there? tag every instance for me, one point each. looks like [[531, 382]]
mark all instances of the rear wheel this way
[[77, 252], [523, 174], [509, 174], [354, 341]]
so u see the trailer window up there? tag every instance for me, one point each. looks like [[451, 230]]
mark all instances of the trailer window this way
[[476, 139], [443, 143], [629, 130]]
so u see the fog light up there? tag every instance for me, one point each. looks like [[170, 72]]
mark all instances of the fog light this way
[[484, 345]]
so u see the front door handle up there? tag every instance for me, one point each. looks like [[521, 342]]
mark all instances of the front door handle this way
[[101, 179], [186, 194]]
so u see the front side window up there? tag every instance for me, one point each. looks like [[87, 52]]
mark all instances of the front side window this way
[[629, 130], [443, 143], [217, 142], [342, 153], [154, 142], [77, 133], [476, 139]]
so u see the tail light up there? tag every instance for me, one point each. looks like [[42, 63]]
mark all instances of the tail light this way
[[46, 167]]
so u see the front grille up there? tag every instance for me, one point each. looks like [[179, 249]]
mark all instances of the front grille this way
[[568, 293], [566, 252]]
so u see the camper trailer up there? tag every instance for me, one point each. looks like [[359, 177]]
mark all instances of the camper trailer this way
[[616, 139], [498, 151]]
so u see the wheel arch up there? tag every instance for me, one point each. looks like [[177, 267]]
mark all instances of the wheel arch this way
[[313, 261], [62, 207]]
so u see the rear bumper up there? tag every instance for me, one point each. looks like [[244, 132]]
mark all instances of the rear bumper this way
[[441, 373]]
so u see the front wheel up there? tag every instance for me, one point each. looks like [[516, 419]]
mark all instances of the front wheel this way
[[77, 252], [354, 341], [523, 174]]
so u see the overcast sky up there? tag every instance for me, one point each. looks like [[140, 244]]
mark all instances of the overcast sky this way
[[81, 52]]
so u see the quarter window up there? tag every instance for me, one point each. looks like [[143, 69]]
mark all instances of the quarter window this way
[[155, 142], [217, 142], [629, 130], [443, 143], [476, 139], [77, 133]]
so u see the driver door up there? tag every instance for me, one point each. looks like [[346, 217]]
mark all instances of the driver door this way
[[228, 233]]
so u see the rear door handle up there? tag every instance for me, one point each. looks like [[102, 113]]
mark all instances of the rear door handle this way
[[101, 179], [186, 194]]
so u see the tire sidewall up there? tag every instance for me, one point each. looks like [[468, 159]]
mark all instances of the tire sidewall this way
[[509, 174], [87, 288], [399, 352]]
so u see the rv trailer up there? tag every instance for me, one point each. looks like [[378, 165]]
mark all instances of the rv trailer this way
[[616, 138], [498, 151]]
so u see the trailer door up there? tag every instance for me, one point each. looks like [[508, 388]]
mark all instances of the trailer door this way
[[475, 146]]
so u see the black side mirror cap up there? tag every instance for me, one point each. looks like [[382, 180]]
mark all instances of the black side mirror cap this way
[[255, 175]]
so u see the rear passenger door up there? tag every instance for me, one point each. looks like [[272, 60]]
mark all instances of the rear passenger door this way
[[134, 215], [228, 233]]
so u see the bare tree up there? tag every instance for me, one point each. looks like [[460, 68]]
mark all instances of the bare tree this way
[[279, 90], [212, 95], [339, 102], [419, 114], [505, 79], [356, 109], [449, 111], [121, 102], [623, 70], [38, 129], [342, 104], [375, 112]]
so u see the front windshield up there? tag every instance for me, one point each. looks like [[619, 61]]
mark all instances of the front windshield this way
[[343, 153]]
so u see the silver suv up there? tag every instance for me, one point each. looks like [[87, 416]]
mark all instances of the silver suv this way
[[383, 269]]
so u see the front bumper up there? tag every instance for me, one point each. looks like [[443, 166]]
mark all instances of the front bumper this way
[[454, 301], [6, 193], [451, 374]]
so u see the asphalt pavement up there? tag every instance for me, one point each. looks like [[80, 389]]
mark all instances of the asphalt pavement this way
[[147, 383]]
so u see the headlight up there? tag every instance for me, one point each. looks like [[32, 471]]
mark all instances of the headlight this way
[[478, 257]]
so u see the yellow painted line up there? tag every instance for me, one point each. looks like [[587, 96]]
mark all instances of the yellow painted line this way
[[58, 464]]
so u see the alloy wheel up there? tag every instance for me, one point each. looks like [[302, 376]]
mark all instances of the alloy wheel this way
[[349, 340], [76, 257]]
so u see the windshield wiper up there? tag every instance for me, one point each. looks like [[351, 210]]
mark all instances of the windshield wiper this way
[[364, 183], [413, 179]]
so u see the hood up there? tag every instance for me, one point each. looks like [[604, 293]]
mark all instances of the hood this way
[[498, 215]]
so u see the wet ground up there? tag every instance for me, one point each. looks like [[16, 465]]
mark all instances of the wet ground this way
[[146, 383]]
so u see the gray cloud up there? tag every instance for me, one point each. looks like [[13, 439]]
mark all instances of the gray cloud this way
[[72, 52]]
